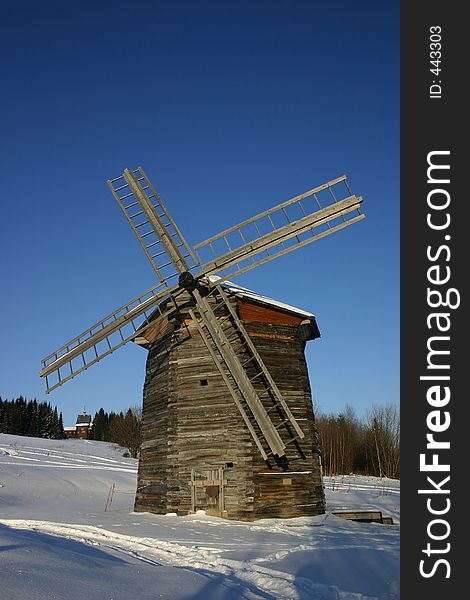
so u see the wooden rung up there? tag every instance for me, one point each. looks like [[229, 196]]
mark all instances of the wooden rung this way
[[121, 187], [208, 482], [137, 214], [248, 361], [294, 439], [130, 205], [116, 179]]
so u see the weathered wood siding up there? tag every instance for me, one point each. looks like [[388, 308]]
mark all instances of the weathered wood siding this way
[[152, 486], [263, 314], [292, 486], [191, 428]]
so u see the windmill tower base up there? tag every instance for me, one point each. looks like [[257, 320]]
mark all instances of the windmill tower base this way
[[197, 452]]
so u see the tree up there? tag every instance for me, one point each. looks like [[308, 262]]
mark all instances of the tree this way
[[20, 417], [61, 426], [126, 430], [384, 439], [14, 426], [352, 446], [55, 432], [99, 427], [33, 423]]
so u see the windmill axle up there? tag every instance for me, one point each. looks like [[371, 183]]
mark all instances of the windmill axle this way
[[187, 281]]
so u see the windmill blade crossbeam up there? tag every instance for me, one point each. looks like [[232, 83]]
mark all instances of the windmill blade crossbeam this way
[[283, 228], [105, 337], [157, 233]]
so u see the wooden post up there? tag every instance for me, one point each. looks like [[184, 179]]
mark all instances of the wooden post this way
[[110, 497]]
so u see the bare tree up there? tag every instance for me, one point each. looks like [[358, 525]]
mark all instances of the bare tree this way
[[353, 446], [384, 435], [339, 438]]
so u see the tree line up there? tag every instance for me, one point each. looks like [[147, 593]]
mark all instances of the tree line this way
[[121, 428], [370, 446], [30, 418]]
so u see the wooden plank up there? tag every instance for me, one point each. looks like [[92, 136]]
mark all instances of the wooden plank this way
[[364, 516], [262, 314], [208, 482]]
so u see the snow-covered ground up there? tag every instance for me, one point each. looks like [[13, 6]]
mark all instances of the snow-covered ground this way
[[60, 538]]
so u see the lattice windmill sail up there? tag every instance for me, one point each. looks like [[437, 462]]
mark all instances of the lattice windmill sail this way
[[191, 282]]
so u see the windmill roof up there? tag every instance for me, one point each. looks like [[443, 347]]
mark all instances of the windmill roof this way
[[308, 324], [247, 293]]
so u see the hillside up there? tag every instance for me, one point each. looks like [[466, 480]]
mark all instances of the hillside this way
[[57, 541]]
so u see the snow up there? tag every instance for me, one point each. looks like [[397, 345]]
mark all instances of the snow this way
[[60, 538], [243, 292]]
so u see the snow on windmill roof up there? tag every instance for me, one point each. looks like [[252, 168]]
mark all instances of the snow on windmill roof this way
[[246, 293], [307, 321]]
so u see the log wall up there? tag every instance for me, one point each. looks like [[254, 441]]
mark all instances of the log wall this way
[[192, 429]]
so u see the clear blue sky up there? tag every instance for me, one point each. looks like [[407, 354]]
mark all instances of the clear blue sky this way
[[230, 107]]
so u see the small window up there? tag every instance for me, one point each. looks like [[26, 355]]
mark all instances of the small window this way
[[228, 465], [203, 382]]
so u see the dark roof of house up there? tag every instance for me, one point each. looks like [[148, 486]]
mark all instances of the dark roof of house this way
[[84, 419]]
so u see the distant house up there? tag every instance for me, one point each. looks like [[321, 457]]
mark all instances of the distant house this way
[[82, 427]]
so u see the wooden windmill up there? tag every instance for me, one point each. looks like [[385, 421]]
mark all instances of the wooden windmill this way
[[228, 423]]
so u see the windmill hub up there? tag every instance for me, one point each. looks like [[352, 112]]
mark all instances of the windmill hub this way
[[187, 281]]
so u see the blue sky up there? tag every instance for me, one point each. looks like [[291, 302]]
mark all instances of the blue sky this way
[[230, 107]]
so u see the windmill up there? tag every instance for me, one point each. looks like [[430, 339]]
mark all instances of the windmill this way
[[228, 425]]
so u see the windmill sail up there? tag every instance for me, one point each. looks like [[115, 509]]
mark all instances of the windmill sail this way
[[272, 233], [106, 336], [281, 229], [157, 233]]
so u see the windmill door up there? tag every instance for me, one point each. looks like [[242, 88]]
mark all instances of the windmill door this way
[[207, 491]]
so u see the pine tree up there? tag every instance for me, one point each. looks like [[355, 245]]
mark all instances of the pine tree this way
[[125, 430], [40, 419], [61, 427], [33, 423], [55, 429], [98, 429], [5, 422], [22, 417], [23, 410], [14, 426]]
